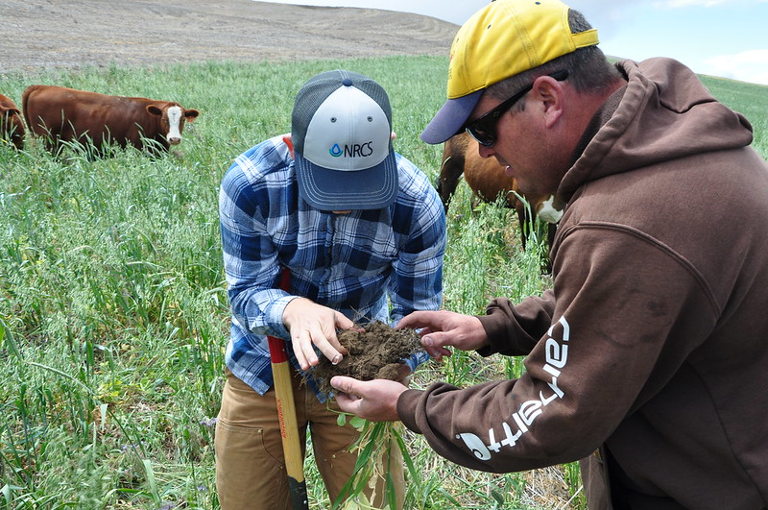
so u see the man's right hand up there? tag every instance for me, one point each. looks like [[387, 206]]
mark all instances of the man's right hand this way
[[441, 329], [311, 325]]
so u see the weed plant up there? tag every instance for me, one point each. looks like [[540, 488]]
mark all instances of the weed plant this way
[[113, 308]]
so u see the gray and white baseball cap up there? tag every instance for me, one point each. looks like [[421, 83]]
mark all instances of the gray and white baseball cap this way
[[341, 126]]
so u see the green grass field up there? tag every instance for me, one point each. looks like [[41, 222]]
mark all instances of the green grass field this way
[[113, 311]]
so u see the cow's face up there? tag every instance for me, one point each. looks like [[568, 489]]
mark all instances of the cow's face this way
[[11, 126], [172, 118]]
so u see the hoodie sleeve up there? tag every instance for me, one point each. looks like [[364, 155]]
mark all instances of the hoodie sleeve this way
[[514, 330], [628, 311]]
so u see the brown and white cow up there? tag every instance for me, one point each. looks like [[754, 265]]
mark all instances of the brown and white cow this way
[[11, 125], [64, 114], [488, 181]]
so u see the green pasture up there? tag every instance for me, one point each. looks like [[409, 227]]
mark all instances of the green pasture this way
[[113, 310]]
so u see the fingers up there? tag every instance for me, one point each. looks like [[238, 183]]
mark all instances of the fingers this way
[[348, 400], [434, 343], [313, 326], [305, 341], [436, 339], [428, 325], [344, 384], [327, 341], [416, 320], [303, 348], [438, 353], [374, 400], [348, 403], [342, 321], [440, 329]]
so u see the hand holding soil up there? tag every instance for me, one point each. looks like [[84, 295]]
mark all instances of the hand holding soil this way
[[376, 351]]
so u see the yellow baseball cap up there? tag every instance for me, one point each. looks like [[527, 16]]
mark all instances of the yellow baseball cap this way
[[503, 39]]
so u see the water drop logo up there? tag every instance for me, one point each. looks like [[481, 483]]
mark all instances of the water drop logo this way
[[336, 151]]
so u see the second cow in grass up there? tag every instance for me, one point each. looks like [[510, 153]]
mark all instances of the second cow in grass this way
[[489, 181]]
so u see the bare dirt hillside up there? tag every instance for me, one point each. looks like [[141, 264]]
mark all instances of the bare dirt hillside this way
[[37, 34]]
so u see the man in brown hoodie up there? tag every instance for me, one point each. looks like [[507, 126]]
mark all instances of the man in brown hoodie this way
[[649, 357]]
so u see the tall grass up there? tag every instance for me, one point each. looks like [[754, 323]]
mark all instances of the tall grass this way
[[113, 312]]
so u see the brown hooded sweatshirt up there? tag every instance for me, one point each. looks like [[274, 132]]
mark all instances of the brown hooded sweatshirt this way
[[649, 357]]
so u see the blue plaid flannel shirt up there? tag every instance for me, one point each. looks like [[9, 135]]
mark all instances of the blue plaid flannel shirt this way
[[362, 263]]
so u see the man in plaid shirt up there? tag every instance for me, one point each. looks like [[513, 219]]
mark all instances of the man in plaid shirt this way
[[360, 230]]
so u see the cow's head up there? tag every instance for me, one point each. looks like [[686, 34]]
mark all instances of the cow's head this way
[[7, 114], [11, 126], [172, 118]]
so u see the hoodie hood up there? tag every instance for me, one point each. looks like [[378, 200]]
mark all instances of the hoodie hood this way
[[665, 113]]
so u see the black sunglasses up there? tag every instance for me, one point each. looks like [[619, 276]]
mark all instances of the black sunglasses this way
[[484, 129]]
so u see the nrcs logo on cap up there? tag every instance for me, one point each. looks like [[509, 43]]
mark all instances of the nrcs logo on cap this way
[[357, 150]]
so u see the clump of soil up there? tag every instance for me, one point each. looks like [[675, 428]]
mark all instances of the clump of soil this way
[[375, 352]]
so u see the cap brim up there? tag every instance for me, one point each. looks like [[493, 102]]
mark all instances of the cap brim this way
[[451, 118], [342, 190]]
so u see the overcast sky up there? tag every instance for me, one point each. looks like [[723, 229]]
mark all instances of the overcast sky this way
[[727, 38]]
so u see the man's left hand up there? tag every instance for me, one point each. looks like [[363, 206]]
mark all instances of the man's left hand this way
[[374, 400]]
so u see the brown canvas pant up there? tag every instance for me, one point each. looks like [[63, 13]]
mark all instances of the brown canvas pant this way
[[250, 467]]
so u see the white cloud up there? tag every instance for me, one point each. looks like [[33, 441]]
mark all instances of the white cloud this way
[[750, 65]]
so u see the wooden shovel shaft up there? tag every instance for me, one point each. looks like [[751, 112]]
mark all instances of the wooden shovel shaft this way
[[286, 415], [289, 427]]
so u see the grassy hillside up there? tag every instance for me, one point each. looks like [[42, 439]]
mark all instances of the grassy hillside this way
[[746, 98], [113, 311]]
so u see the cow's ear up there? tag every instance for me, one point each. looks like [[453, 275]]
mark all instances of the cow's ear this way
[[191, 115], [154, 110]]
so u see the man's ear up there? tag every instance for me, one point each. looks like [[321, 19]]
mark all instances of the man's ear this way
[[289, 142], [551, 94]]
